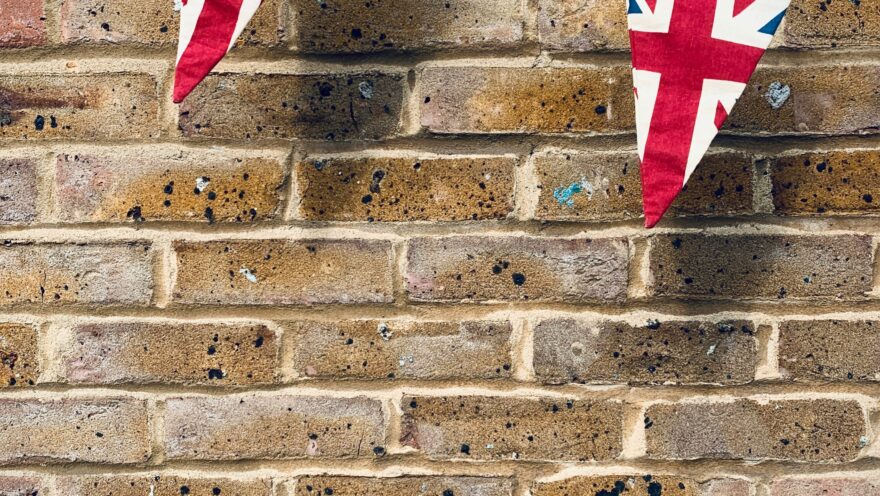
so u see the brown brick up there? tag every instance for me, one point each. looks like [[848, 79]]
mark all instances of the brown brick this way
[[832, 485], [837, 182], [95, 106], [495, 428], [726, 487], [372, 349], [176, 185], [570, 350], [527, 100], [149, 22], [424, 486], [166, 352], [281, 272], [19, 356], [815, 430], [18, 191], [582, 25], [73, 430], [406, 189], [834, 350], [67, 273], [339, 26], [589, 185], [478, 268], [21, 486], [826, 99], [832, 24], [159, 485], [285, 106], [276, 427], [606, 485], [22, 23], [760, 266]]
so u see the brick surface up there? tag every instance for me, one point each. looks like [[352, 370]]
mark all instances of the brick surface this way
[[284, 106], [830, 485], [579, 185], [426, 486], [66, 273], [582, 25], [337, 26], [19, 355], [160, 485], [18, 191], [150, 23], [526, 100], [817, 430], [834, 182], [726, 487], [569, 350], [73, 430], [406, 189], [170, 353], [471, 268], [94, 106], [829, 349], [375, 349], [820, 99], [276, 427], [760, 266], [177, 185], [21, 486], [496, 428], [832, 24], [635, 485], [22, 24], [281, 272]]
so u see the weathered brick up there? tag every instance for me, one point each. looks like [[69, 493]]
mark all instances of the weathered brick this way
[[21, 486], [338, 26], [406, 189], [478, 268], [815, 430], [835, 350], [277, 427], [176, 185], [67, 273], [726, 487], [581, 185], [487, 428], [150, 22], [425, 486], [19, 355], [94, 106], [280, 272], [831, 24], [582, 25], [832, 485], [73, 430], [837, 182], [527, 100], [18, 191], [159, 485], [22, 23], [825, 99], [372, 349], [180, 353], [570, 350], [284, 106], [760, 266], [606, 485]]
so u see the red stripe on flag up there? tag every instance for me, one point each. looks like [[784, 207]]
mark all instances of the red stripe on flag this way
[[740, 5], [209, 43]]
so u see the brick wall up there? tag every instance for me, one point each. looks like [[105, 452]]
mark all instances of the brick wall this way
[[393, 247]]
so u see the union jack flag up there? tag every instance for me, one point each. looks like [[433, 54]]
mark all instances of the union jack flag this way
[[208, 29], [691, 62]]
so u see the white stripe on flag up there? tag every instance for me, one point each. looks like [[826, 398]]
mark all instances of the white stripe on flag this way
[[189, 16], [248, 9]]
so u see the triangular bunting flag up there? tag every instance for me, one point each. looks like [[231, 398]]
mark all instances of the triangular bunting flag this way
[[208, 29], [691, 62]]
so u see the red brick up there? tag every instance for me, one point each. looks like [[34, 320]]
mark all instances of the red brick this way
[[273, 427], [484, 268], [22, 23]]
